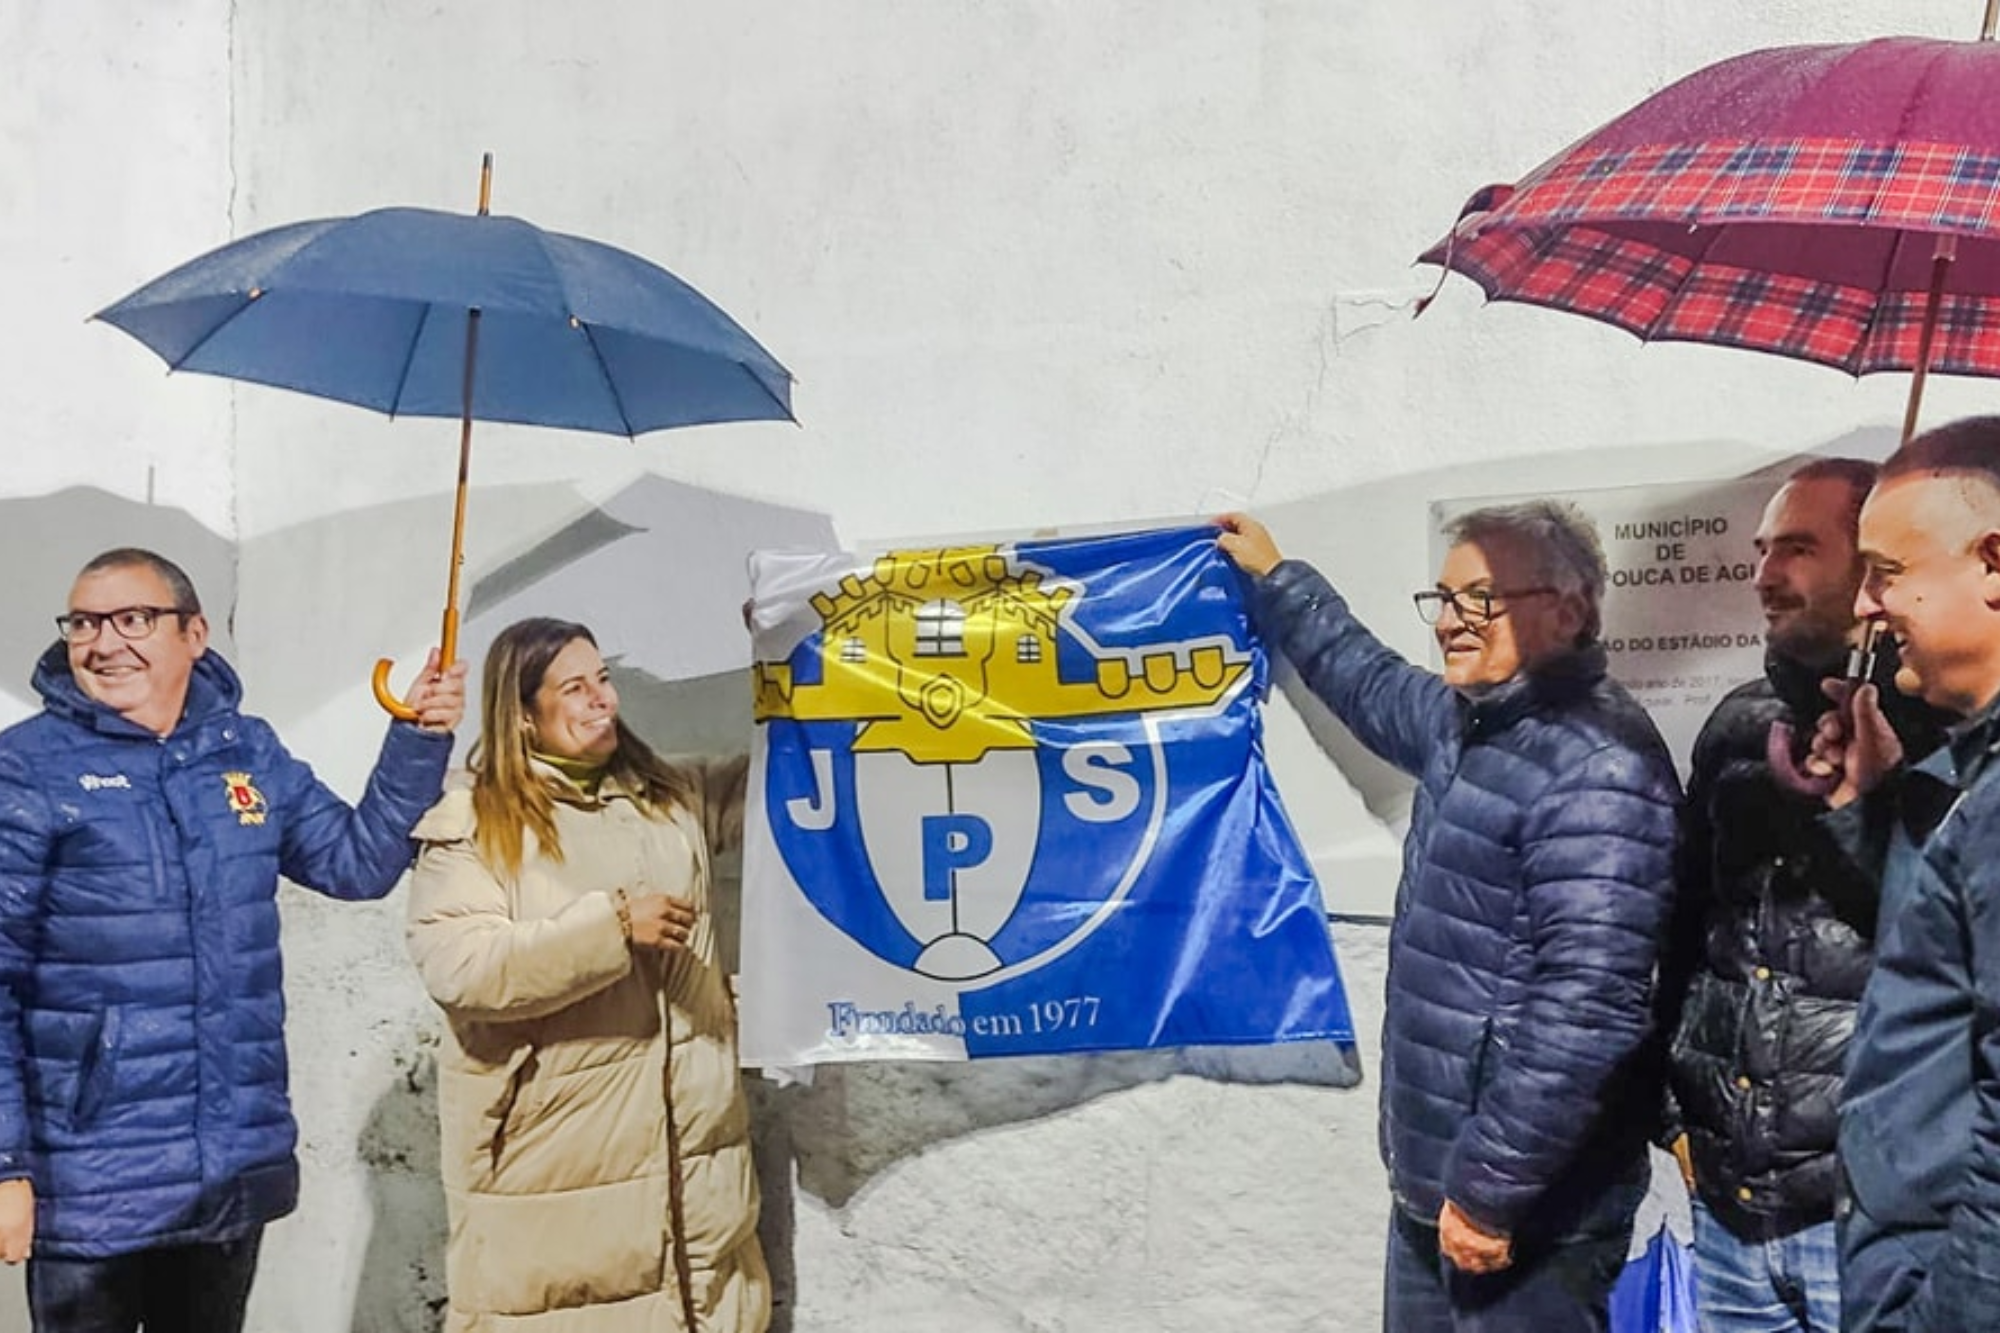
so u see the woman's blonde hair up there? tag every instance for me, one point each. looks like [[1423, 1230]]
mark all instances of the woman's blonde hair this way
[[509, 797]]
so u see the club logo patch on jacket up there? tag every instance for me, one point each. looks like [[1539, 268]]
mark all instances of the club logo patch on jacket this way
[[244, 799]]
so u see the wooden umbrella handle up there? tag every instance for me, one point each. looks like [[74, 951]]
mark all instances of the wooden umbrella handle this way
[[385, 696], [447, 654]]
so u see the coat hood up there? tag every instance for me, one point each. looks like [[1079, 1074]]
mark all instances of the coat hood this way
[[213, 688]]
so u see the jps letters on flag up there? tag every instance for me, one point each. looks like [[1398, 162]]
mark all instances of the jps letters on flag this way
[[1011, 799]]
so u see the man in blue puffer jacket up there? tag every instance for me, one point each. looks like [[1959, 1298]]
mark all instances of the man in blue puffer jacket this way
[[1521, 1065], [146, 1135]]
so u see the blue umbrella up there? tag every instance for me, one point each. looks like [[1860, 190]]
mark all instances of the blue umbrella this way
[[420, 313]]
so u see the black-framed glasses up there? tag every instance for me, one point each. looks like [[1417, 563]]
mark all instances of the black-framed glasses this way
[[1475, 606], [131, 622]]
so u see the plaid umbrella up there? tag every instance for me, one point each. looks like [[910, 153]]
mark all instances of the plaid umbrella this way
[[1839, 204]]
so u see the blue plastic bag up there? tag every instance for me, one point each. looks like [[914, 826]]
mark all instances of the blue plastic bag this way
[[1655, 1293]]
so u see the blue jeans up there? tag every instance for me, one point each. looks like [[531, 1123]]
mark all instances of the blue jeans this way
[[175, 1289], [1562, 1288], [1777, 1284]]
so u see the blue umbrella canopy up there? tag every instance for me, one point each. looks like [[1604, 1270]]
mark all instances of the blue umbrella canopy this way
[[419, 313], [373, 310]]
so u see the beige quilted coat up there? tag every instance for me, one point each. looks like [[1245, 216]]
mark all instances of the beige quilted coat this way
[[556, 1135]]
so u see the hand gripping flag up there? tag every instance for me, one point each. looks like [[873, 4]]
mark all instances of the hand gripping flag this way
[[1011, 800]]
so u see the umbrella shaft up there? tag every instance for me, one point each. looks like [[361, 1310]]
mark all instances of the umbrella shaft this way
[[448, 635], [1940, 268]]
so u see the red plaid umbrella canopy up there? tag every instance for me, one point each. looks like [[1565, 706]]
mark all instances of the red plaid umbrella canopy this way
[[1833, 203]]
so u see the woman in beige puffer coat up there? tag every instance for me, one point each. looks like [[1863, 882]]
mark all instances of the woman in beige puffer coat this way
[[596, 1154]]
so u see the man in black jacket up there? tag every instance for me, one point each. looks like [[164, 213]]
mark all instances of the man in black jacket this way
[[1778, 933]]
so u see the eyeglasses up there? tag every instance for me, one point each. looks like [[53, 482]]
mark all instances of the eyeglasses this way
[[131, 622], [1475, 606]]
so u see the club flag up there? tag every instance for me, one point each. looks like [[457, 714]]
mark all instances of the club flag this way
[[1010, 800]]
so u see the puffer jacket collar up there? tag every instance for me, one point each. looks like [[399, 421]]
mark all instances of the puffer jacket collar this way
[[1974, 742], [1558, 681], [1796, 680], [1968, 750], [214, 691], [568, 791]]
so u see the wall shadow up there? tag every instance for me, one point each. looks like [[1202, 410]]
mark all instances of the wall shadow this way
[[856, 1120], [328, 596], [658, 571], [401, 1288], [830, 1137], [45, 539]]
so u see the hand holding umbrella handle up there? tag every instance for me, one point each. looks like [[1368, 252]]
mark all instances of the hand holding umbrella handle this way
[[447, 644], [385, 696], [435, 700]]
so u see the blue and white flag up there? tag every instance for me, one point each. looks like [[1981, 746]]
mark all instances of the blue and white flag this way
[[1010, 800]]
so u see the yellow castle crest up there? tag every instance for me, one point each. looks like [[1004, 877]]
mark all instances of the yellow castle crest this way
[[944, 655], [244, 798]]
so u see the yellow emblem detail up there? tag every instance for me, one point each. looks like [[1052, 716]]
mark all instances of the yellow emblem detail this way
[[244, 799], [946, 654]]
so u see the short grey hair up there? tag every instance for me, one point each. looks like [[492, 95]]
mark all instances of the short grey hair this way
[[179, 585], [1558, 537], [1966, 452], [1970, 446]]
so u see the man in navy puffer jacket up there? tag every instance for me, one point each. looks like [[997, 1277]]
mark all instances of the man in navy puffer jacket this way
[[1521, 1067], [1919, 1219], [146, 1136]]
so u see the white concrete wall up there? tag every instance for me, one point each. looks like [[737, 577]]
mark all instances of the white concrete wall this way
[[1034, 263], [114, 160]]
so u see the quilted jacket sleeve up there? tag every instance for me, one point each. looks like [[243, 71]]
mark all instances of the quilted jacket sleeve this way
[[26, 828], [1597, 852], [1694, 881], [1962, 1291], [476, 960], [359, 852], [1398, 710], [1862, 831]]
